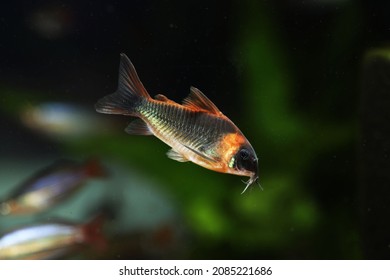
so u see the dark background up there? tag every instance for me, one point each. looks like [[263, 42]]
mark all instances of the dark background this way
[[306, 81]]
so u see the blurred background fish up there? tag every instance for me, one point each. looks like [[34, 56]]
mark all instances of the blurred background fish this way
[[50, 186], [51, 21], [164, 241], [51, 240], [65, 121]]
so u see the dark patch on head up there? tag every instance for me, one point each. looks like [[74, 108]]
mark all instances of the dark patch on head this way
[[245, 159]]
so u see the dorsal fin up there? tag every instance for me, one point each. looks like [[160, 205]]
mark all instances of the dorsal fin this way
[[196, 100], [163, 98]]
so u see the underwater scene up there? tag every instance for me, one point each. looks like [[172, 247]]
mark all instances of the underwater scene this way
[[195, 130]]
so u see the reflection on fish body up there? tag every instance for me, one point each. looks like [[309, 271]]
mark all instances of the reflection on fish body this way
[[196, 130], [50, 186], [50, 240]]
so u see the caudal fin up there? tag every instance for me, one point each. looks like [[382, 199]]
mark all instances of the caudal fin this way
[[130, 93]]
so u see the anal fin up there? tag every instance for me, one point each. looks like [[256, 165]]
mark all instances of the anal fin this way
[[172, 154], [138, 127]]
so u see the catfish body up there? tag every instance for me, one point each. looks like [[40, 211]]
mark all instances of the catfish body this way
[[196, 130]]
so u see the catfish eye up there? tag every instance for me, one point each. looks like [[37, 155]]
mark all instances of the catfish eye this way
[[244, 162], [244, 154]]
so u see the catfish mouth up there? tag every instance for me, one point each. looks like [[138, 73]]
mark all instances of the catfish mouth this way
[[254, 178]]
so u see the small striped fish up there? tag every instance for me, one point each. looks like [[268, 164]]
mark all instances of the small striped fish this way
[[51, 240], [196, 130], [50, 186]]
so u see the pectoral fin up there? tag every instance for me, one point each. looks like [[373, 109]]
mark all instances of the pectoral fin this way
[[172, 154], [202, 155]]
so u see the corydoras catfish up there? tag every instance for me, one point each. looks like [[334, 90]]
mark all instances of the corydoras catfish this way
[[196, 130]]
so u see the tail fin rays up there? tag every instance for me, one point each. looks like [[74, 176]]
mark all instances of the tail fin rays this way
[[129, 81], [129, 94]]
